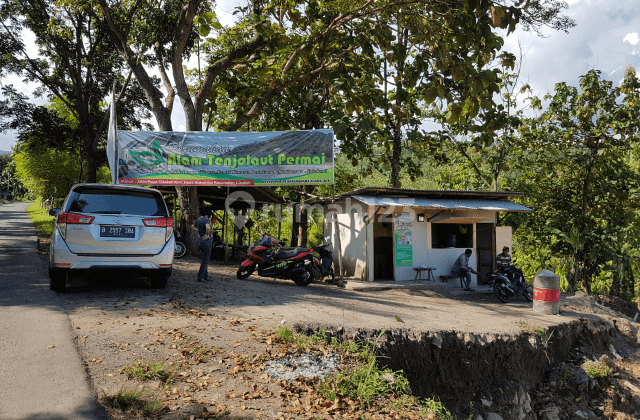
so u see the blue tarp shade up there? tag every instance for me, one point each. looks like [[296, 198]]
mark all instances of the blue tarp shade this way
[[444, 203]]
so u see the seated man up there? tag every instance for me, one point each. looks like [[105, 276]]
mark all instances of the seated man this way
[[503, 261], [461, 268]]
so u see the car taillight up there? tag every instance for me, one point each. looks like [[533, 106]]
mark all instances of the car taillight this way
[[75, 219], [158, 222], [166, 222], [65, 218]]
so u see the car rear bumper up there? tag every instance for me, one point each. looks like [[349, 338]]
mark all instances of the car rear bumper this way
[[62, 258]]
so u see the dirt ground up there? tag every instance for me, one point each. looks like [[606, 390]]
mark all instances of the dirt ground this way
[[218, 337]]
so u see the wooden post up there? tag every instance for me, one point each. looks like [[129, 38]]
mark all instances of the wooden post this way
[[280, 224], [337, 233], [226, 232]]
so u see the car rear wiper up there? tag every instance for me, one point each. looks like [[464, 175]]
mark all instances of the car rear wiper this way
[[108, 212]]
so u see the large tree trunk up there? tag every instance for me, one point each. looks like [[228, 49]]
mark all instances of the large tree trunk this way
[[303, 226], [189, 213], [91, 167], [295, 225]]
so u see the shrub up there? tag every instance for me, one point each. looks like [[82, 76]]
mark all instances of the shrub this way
[[595, 369]]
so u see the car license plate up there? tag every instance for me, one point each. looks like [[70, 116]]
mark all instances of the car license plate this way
[[118, 231]]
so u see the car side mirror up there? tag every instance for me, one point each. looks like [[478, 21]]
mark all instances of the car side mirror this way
[[54, 212]]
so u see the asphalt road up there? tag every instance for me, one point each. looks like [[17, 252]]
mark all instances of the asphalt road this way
[[41, 374]]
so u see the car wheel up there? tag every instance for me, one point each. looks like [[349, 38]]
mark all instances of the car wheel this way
[[245, 271], [57, 279], [158, 280]]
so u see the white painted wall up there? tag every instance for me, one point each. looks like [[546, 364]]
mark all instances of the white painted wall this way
[[356, 241], [352, 239], [503, 238]]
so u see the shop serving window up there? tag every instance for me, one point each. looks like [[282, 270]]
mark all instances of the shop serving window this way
[[451, 235]]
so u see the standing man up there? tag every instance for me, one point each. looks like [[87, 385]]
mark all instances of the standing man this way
[[461, 268], [203, 225]]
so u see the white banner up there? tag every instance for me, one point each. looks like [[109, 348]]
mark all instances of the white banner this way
[[112, 150]]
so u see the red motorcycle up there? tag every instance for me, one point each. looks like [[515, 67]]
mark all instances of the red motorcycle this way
[[272, 261]]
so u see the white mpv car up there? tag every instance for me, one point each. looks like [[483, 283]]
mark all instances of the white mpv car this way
[[104, 227]]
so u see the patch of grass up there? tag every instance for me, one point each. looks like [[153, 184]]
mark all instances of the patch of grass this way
[[43, 222], [363, 385], [183, 342], [287, 335], [133, 401], [365, 380], [595, 369], [144, 370], [525, 327]]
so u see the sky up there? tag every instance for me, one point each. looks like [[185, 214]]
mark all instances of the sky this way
[[606, 37]]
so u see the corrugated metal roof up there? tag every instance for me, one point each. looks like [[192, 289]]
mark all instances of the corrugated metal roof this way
[[444, 203], [387, 191]]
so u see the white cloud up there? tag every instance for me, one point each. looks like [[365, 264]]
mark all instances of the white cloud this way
[[632, 38], [593, 44]]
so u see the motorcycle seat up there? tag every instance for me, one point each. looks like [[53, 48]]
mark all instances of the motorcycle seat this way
[[286, 254]]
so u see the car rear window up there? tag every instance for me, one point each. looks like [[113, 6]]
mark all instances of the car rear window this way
[[103, 201]]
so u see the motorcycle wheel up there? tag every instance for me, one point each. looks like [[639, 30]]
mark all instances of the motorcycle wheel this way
[[527, 293], [245, 271], [179, 250], [304, 279], [502, 294]]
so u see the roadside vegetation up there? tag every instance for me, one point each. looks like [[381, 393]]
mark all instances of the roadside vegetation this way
[[595, 369], [138, 402], [574, 152], [144, 370], [362, 388], [44, 223]]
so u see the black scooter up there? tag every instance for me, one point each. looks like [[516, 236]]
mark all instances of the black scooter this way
[[323, 262], [217, 247], [505, 288]]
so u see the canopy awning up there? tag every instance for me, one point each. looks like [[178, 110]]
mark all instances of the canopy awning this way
[[444, 203]]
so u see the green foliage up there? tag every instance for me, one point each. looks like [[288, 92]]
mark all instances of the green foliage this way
[[595, 369], [432, 406], [579, 181], [75, 65], [144, 370], [47, 173], [288, 336], [8, 180], [135, 401], [43, 223], [524, 326], [364, 381]]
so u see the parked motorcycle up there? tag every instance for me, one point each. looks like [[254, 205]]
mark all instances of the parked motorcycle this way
[[217, 247], [505, 289], [180, 248], [323, 263], [268, 257]]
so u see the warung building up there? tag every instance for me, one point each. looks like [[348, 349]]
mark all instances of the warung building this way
[[385, 233]]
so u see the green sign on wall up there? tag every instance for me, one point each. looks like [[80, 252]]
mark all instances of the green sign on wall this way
[[403, 241]]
